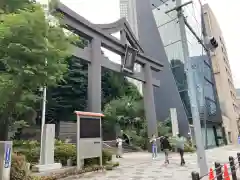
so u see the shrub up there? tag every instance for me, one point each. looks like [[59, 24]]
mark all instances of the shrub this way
[[187, 146], [109, 167], [19, 170], [62, 153], [107, 156], [43, 178], [137, 140], [32, 155], [25, 144]]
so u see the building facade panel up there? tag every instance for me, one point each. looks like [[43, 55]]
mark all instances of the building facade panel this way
[[170, 31], [223, 77], [167, 95]]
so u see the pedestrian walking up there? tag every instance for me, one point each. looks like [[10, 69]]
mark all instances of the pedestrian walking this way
[[180, 141], [165, 147], [153, 141], [119, 142]]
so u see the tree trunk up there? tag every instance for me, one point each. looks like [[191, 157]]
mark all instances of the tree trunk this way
[[7, 113], [4, 127]]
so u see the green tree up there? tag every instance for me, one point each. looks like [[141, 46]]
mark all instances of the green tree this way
[[115, 85], [71, 94], [126, 111], [27, 41], [12, 6]]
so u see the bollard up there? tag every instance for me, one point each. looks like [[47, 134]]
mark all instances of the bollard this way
[[233, 168], [218, 169], [238, 156], [195, 176]]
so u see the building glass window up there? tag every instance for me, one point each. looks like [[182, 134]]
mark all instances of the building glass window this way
[[207, 72], [179, 75], [159, 12], [169, 30], [174, 51], [193, 17], [208, 90], [186, 103], [211, 107]]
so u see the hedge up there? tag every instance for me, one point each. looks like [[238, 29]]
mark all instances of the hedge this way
[[19, 170], [29, 151], [62, 153]]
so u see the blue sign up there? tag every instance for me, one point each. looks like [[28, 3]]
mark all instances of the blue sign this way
[[238, 139], [7, 157]]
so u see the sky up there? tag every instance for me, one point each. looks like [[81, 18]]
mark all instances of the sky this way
[[226, 12]]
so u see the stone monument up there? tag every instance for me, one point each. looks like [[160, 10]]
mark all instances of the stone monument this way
[[48, 148]]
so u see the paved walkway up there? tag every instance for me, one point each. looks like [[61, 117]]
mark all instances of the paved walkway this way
[[140, 166]]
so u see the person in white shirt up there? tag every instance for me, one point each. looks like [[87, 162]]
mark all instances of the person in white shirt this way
[[119, 142], [153, 140]]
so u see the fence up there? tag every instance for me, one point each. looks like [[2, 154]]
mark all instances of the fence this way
[[221, 171]]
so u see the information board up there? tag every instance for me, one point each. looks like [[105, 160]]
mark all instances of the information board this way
[[90, 127]]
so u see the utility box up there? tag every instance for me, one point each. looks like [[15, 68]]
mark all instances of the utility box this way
[[5, 159], [89, 136]]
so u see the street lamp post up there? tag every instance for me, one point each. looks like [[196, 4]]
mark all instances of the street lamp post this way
[[43, 121], [44, 99]]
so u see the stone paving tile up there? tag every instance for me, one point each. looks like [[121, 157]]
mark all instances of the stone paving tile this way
[[140, 166]]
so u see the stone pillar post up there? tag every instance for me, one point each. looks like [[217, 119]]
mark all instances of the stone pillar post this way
[[94, 77], [149, 104]]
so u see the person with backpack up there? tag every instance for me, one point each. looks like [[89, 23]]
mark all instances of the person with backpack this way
[[180, 141], [165, 147]]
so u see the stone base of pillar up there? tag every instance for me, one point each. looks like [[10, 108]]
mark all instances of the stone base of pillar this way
[[46, 167]]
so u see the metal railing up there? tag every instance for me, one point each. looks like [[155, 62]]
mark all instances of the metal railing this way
[[219, 174]]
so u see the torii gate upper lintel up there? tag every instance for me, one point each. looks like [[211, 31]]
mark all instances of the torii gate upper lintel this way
[[99, 36], [122, 26]]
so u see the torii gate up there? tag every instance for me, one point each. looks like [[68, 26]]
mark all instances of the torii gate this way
[[100, 36]]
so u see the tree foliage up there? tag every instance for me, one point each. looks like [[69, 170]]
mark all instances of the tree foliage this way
[[115, 85], [28, 40], [128, 113], [71, 94], [125, 110]]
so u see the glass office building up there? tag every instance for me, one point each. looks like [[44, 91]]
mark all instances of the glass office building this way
[[175, 35]]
